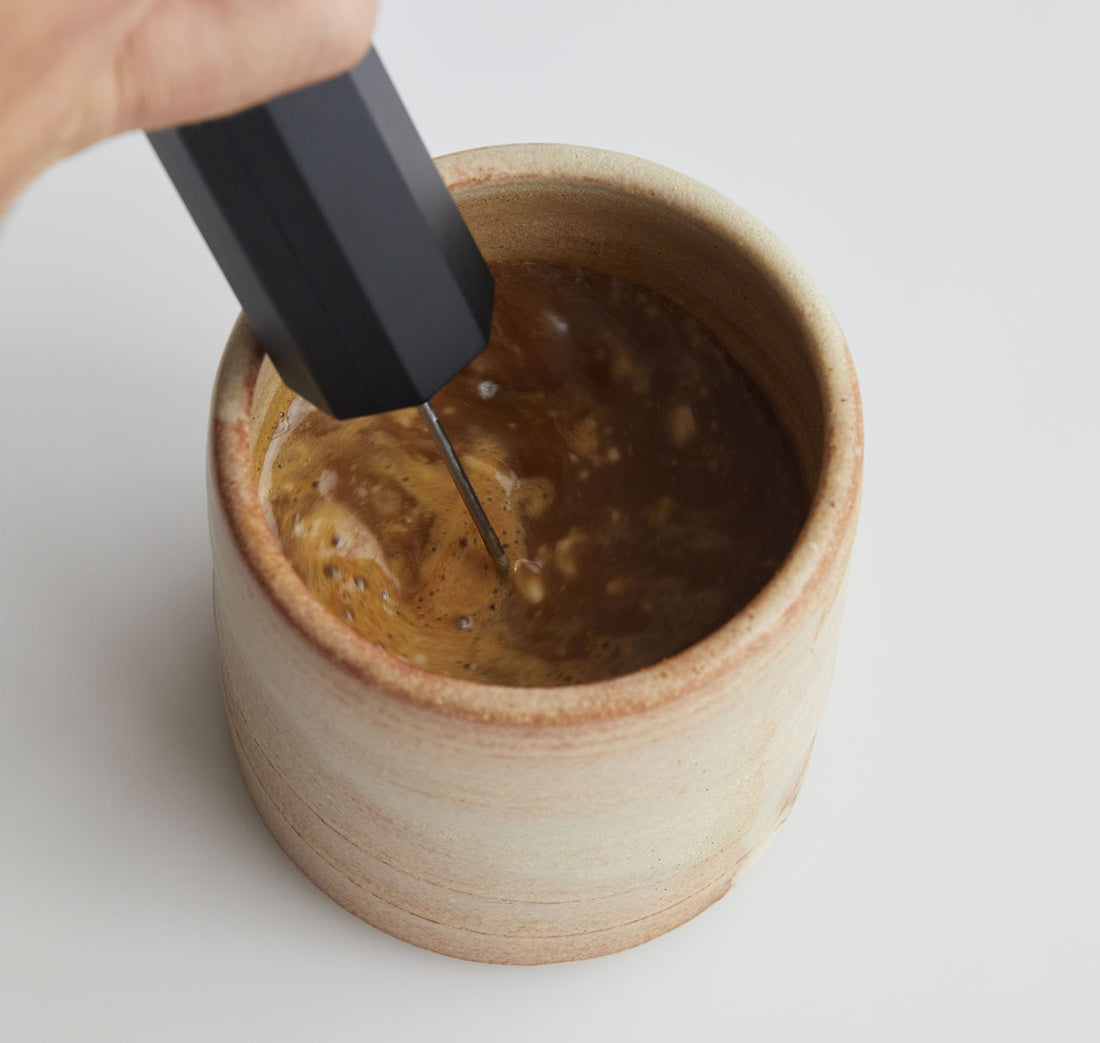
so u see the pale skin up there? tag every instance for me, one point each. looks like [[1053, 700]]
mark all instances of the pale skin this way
[[75, 71]]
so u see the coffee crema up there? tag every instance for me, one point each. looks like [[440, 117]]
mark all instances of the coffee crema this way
[[642, 486]]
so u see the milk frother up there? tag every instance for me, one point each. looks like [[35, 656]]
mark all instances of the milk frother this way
[[350, 258]]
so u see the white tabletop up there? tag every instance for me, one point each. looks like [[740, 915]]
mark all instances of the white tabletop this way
[[936, 166]]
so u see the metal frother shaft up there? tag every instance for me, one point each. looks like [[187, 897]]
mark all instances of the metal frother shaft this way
[[466, 491], [347, 252]]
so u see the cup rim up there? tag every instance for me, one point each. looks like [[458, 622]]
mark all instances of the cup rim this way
[[757, 630]]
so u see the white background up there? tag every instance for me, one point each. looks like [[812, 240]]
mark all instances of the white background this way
[[937, 168]]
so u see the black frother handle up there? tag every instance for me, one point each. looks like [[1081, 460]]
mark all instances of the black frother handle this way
[[341, 241]]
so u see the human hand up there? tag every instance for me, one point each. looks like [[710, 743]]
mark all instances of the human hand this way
[[75, 71]]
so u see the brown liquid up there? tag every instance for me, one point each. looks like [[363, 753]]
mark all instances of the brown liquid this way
[[639, 481]]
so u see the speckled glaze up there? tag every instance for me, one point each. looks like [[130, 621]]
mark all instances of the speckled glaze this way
[[524, 825]]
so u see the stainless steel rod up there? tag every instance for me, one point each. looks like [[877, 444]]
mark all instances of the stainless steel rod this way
[[466, 491]]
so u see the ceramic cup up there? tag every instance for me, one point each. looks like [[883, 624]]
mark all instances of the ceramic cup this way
[[528, 825]]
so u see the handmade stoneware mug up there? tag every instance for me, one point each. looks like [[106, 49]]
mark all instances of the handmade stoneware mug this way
[[532, 825]]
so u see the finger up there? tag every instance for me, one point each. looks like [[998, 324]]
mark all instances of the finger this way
[[52, 59], [198, 59], [46, 40]]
